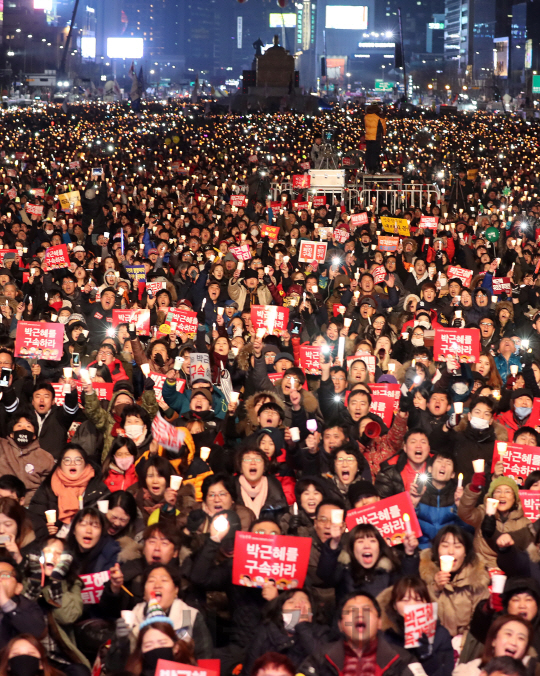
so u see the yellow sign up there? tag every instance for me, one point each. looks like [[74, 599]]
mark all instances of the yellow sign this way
[[70, 200], [396, 226]]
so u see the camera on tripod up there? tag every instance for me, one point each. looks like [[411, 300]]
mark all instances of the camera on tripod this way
[[330, 135]]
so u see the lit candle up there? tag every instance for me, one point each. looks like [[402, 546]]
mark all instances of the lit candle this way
[[407, 520], [460, 480]]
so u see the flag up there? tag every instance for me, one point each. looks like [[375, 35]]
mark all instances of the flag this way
[[167, 435], [124, 20]]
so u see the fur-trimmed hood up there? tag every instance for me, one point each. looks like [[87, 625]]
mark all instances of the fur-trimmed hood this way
[[501, 433], [250, 405], [387, 612], [309, 400], [472, 575], [130, 550], [505, 305], [244, 357]]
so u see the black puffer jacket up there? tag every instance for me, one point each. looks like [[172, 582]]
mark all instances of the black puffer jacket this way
[[276, 503]]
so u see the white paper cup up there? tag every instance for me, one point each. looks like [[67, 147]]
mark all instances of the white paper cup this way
[[514, 369], [50, 515], [129, 617], [311, 425], [491, 506], [92, 371], [458, 407], [68, 372], [446, 563], [337, 516], [176, 482], [103, 506], [220, 311], [497, 583], [347, 321], [234, 396], [205, 453], [178, 361], [478, 466], [145, 368], [295, 433], [221, 523]]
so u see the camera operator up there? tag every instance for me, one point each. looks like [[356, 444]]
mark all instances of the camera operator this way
[[316, 150], [375, 125]]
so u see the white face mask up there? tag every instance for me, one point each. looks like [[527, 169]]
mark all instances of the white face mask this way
[[63, 320], [417, 342], [134, 431], [49, 232], [460, 388], [479, 423]]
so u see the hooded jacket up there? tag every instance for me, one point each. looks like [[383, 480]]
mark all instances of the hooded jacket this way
[[516, 523], [437, 509], [30, 464], [458, 598], [140, 358], [239, 292]]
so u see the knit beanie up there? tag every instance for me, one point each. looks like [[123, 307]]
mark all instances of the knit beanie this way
[[155, 613], [504, 481]]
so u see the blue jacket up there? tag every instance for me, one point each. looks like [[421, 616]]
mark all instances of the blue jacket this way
[[179, 401], [437, 509], [503, 366]]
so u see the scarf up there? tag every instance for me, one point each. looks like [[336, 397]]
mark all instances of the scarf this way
[[360, 664], [254, 497], [68, 491], [149, 502]]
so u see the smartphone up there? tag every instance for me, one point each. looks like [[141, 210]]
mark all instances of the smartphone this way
[[4, 377], [97, 172], [76, 359], [296, 326]]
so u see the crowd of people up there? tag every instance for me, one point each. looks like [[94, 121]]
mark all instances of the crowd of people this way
[[133, 456]]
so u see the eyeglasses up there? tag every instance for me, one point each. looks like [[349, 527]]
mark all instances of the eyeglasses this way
[[345, 461], [323, 519], [486, 324], [252, 458], [6, 576], [72, 461], [221, 495]]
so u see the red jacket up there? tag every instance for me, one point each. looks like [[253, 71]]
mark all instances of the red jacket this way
[[118, 480], [115, 369], [507, 419]]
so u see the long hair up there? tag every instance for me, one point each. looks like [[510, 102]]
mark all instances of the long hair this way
[[494, 380], [118, 443], [46, 666], [357, 570], [496, 625], [461, 536], [14, 511], [182, 650]]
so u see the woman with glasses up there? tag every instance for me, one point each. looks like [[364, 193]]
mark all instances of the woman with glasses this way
[[257, 491], [75, 483]]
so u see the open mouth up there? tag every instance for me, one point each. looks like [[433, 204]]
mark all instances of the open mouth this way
[[87, 541], [511, 652], [367, 558], [157, 594], [418, 455], [345, 475], [252, 471], [73, 471]]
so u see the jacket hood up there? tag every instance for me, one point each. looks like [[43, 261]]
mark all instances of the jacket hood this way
[[250, 404], [244, 356]]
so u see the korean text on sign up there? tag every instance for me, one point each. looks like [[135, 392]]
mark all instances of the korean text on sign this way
[[37, 340], [518, 461], [238, 201], [241, 253], [168, 668], [141, 319], [420, 618], [301, 181], [310, 359], [312, 251], [501, 285], [259, 558], [387, 516], [93, 586], [359, 219], [182, 321], [464, 344], [461, 273], [57, 257], [269, 317]]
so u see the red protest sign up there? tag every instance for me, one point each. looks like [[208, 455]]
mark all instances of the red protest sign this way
[[387, 516], [39, 340], [270, 231], [159, 379], [301, 181], [368, 359], [310, 359], [385, 400], [34, 209], [141, 319], [57, 257], [379, 273], [501, 285], [259, 558], [460, 273], [93, 586], [39, 192], [168, 668], [300, 205], [12, 193], [241, 253], [155, 287], [338, 309], [312, 251], [359, 219], [3, 252], [182, 321], [387, 243], [463, 344], [319, 201], [420, 618], [305, 165], [238, 201], [429, 222], [530, 501], [341, 235], [269, 317], [102, 390], [518, 460]]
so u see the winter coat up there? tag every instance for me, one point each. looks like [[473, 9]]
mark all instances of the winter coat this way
[[441, 660], [371, 122], [30, 464], [503, 366], [389, 480], [118, 480], [250, 423], [276, 502], [180, 401], [458, 599], [239, 292], [25, 618], [54, 426], [104, 419], [437, 509], [330, 658], [468, 444], [510, 423], [140, 358], [382, 448], [517, 524], [374, 580]]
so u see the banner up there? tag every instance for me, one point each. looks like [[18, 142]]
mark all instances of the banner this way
[[159, 379], [420, 618], [102, 390], [429, 222], [399, 226], [368, 359], [518, 461], [341, 235], [360, 219], [379, 273], [238, 201], [270, 317], [57, 257], [259, 558], [501, 285], [136, 273], [387, 243], [385, 401], [301, 181], [167, 668], [319, 201], [155, 287], [312, 251], [93, 586], [387, 516], [241, 253], [460, 273], [310, 359], [270, 231], [462, 343], [39, 340], [530, 501], [141, 319], [169, 436], [182, 321], [199, 366], [36, 209], [299, 206], [70, 200]]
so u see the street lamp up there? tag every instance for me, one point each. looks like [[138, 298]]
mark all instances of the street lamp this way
[[383, 67]]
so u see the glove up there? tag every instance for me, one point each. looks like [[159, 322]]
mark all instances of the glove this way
[[62, 567], [457, 323], [478, 482], [34, 565], [495, 601], [267, 280], [149, 384], [405, 403], [201, 318], [294, 523], [453, 420], [488, 526], [425, 649], [122, 628]]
